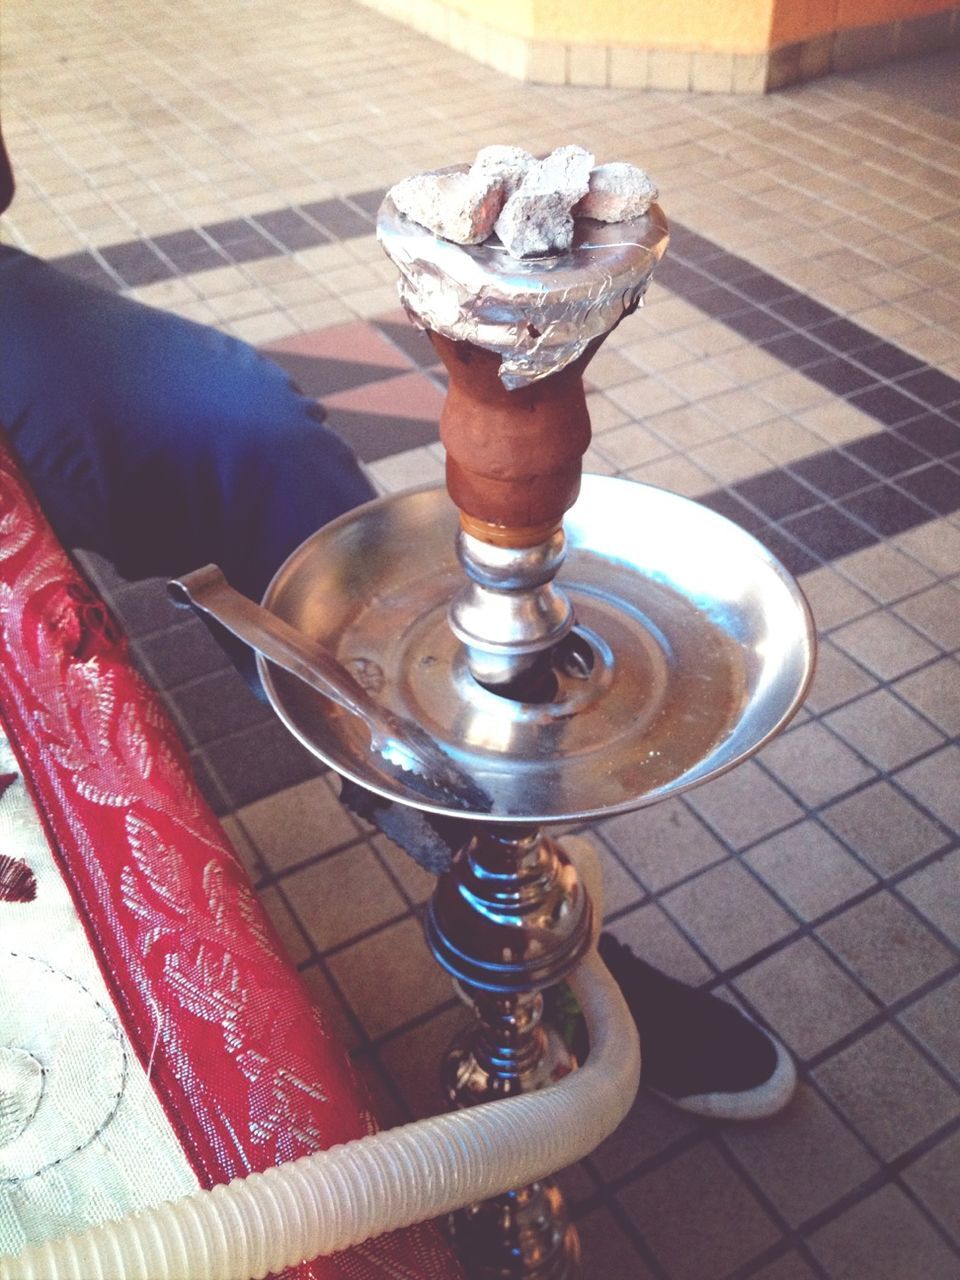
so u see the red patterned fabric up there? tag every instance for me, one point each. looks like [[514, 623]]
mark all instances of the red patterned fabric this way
[[238, 1055]]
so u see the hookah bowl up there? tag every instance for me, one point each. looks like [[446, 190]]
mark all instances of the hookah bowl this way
[[578, 645]]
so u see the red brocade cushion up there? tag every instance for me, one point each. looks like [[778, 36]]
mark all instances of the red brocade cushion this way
[[238, 1056]]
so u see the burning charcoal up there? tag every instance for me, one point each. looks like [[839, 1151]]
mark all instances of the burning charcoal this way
[[507, 165], [565, 170], [617, 193], [456, 206], [537, 218]]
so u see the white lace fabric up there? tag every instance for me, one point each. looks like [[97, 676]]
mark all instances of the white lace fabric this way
[[83, 1137]]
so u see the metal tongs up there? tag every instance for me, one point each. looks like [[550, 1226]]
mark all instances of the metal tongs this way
[[409, 754]]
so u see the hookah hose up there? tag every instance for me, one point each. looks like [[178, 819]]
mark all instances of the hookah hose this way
[[330, 1200]]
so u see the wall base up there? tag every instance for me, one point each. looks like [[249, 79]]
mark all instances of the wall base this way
[[699, 70]]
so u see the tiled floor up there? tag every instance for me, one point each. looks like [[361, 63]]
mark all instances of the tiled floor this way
[[797, 367]]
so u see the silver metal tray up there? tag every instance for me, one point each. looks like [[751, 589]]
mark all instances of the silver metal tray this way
[[693, 646]]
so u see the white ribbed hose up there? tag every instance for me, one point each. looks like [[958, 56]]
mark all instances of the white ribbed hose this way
[[329, 1201]]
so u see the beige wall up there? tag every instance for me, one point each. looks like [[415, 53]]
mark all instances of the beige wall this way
[[730, 46]]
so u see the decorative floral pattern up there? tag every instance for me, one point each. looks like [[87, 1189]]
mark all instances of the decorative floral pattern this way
[[236, 1052], [17, 883]]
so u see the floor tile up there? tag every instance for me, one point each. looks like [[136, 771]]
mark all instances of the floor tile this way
[[629, 446], [934, 783], [886, 946], [935, 1178], [790, 1266], [814, 764], [408, 395], [407, 469], [933, 891], [390, 977], [832, 474], [933, 1019], [216, 705], [333, 1011], [889, 1093], [828, 533], [833, 599], [609, 369], [650, 1129], [259, 761], [836, 679], [357, 342], [885, 453], [730, 914], [181, 653], [604, 414], [676, 473], [804, 1159], [292, 936], [884, 827], [884, 645], [663, 843], [621, 890], [886, 1238], [413, 1060], [935, 612], [935, 691], [936, 545], [884, 729], [607, 1250], [415, 884], [296, 824], [686, 427], [342, 895], [652, 935], [697, 1216], [744, 805], [805, 997], [809, 869]]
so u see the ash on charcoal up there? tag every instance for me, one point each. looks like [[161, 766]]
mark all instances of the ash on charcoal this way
[[538, 217], [530, 204], [618, 192], [455, 206], [506, 165]]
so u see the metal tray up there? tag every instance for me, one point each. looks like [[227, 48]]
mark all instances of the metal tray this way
[[693, 646]]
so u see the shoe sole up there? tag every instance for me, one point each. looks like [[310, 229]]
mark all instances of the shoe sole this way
[[759, 1103]]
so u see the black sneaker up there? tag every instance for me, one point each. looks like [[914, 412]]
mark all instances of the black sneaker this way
[[700, 1053]]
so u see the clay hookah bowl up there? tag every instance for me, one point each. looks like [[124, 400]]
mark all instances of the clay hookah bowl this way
[[515, 337]]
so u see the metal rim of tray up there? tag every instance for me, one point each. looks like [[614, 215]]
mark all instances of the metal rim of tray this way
[[693, 648]]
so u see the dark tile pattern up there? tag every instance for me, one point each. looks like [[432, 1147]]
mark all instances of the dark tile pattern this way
[[290, 229], [373, 436], [812, 511], [324, 376], [341, 219], [135, 263], [828, 533], [876, 376], [937, 486], [886, 453], [413, 342], [934, 433], [832, 473], [190, 251], [88, 269]]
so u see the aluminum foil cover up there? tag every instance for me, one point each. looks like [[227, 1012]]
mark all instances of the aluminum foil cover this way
[[539, 314]]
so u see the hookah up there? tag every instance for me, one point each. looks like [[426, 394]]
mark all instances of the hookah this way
[[527, 647], [576, 645]]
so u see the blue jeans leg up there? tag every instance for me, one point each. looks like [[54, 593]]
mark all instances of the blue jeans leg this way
[[157, 442]]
